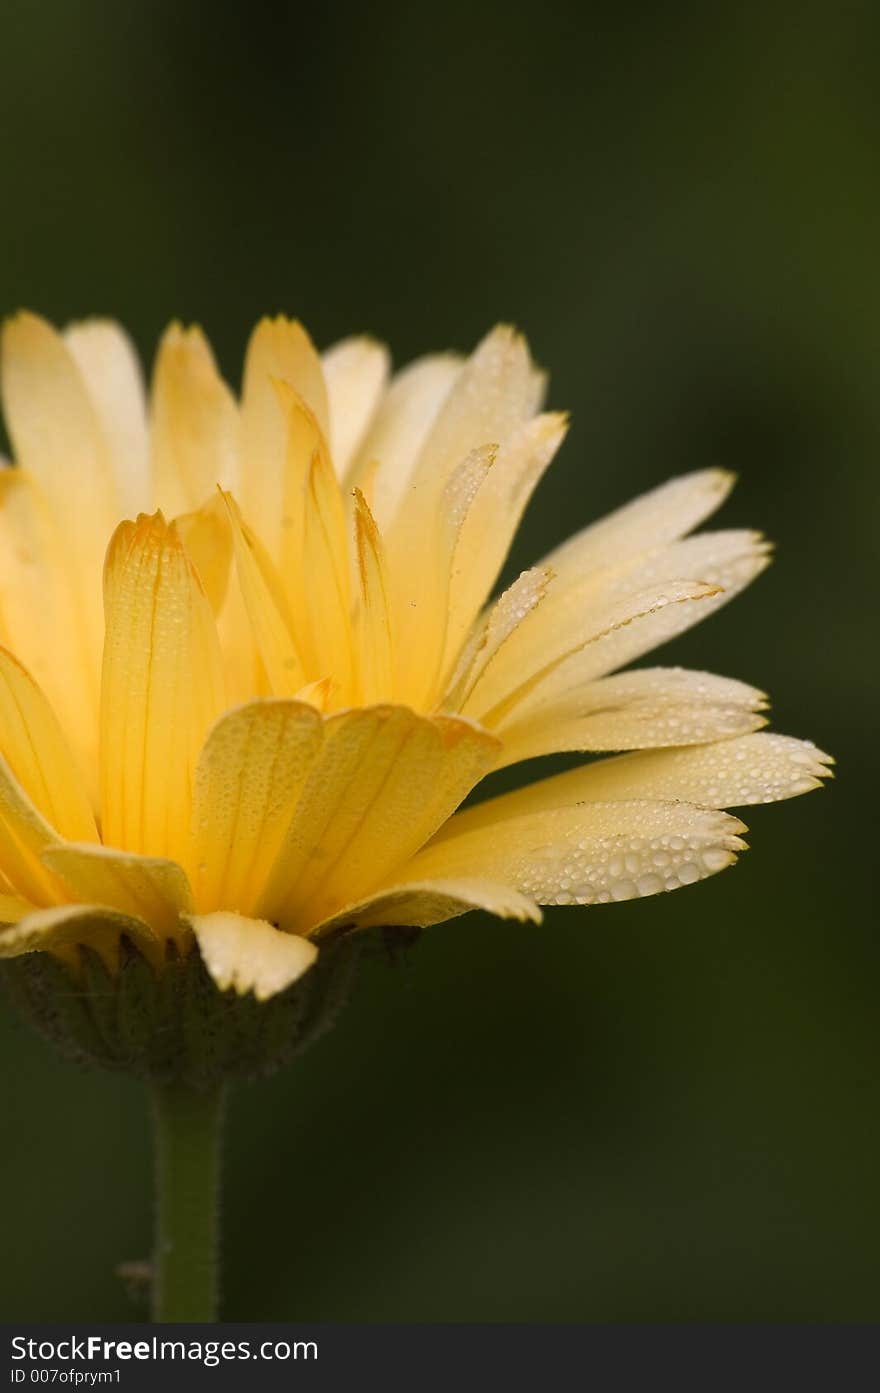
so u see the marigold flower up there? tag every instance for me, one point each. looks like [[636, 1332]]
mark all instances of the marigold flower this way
[[259, 735]]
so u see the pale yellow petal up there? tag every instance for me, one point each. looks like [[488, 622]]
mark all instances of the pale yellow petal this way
[[280, 350], [587, 628], [403, 421], [249, 955], [162, 688], [385, 780], [760, 768], [646, 523], [497, 626], [587, 853], [66, 926], [635, 710], [37, 752], [248, 780], [55, 431], [420, 593], [355, 372], [422, 903], [194, 427], [108, 361], [148, 888], [494, 516], [523, 674], [37, 578], [57, 438]]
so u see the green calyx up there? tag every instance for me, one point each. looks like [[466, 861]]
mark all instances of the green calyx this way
[[175, 1026]]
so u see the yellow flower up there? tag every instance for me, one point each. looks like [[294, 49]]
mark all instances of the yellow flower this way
[[261, 731]]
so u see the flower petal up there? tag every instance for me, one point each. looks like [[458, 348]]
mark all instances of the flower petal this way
[[589, 627], [65, 926], [355, 371], [145, 887], [761, 768], [194, 423], [162, 688], [280, 350], [34, 746], [404, 419], [250, 955], [645, 524], [492, 519], [419, 904], [266, 607], [384, 781], [587, 853], [635, 710], [248, 778], [108, 361]]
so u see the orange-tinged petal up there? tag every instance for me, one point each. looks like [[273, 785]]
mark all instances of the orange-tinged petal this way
[[376, 645]]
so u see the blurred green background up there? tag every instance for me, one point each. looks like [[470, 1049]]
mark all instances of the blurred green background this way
[[667, 1110]]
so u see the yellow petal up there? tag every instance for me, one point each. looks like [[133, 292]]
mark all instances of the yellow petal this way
[[494, 631], [36, 577], [404, 420], [34, 746], [587, 853], [645, 524], [587, 627], [492, 520], [250, 955], [64, 927], [384, 781], [279, 350], [524, 673], [759, 768], [635, 710], [422, 903], [147, 888], [13, 908], [247, 782], [24, 836], [325, 566], [421, 589], [108, 362], [56, 433], [266, 606], [374, 624], [355, 372], [162, 688], [207, 537], [194, 423]]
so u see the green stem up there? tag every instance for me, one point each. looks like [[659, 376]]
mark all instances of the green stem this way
[[185, 1264]]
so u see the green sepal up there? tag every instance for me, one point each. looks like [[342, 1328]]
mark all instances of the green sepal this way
[[175, 1025]]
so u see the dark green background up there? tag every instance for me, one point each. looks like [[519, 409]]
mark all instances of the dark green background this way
[[665, 1110]]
